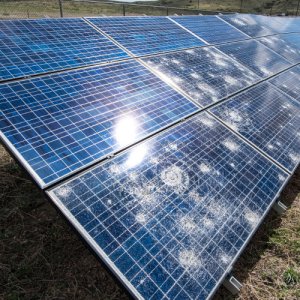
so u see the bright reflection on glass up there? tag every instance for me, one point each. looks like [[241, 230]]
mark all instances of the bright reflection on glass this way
[[136, 156], [126, 131]]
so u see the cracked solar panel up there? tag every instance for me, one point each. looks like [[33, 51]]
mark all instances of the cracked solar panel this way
[[267, 118], [248, 24], [282, 47], [170, 215], [205, 74], [147, 35], [256, 56], [210, 28], [58, 124], [29, 47], [288, 82]]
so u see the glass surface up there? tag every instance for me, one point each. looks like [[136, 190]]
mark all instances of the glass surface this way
[[210, 28], [147, 35], [60, 123], [171, 214], [288, 82], [205, 74], [257, 57], [292, 38], [281, 46], [267, 118], [30, 47]]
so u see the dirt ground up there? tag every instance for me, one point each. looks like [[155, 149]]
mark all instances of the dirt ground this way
[[42, 258]]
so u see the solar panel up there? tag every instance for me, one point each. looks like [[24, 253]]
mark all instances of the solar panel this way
[[210, 28], [282, 47], [63, 122], [280, 24], [171, 215], [205, 74], [292, 38], [288, 82], [29, 47], [147, 35], [267, 118], [257, 57], [248, 24]]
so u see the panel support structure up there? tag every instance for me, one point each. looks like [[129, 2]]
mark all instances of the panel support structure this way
[[232, 285], [279, 207]]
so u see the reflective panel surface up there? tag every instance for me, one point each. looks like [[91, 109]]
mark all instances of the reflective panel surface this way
[[147, 35], [30, 47], [205, 74], [292, 38], [170, 215], [210, 28], [267, 118], [281, 46], [257, 57], [63, 122], [249, 24], [289, 82]]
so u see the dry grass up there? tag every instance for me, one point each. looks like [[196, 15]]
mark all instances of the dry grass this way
[[41, 258]]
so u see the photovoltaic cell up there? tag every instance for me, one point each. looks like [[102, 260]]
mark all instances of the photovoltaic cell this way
[[210, 28], [267, 118], [292, 38], [280, 24], [281, 46], [171, 215], [30, 47], [288, 82], [257, 57], [63, 122], [205, 74], [249, 24], [147, 35]]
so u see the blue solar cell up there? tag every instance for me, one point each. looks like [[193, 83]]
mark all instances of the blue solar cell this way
[[205, 74], [267, 118], [249, 24], [147, 35], [63, 122], [210, 28], [292, 38], [30, 47], [170, 215], [280, 24], [288, 82], [280, 45], [257, 57]]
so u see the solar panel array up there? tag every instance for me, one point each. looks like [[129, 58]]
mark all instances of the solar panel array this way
[[146, 35], [164, 141], [211, 29], [29, 47]]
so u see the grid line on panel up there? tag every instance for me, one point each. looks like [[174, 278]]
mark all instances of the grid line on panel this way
[[147, 213], [31, 47], [206, 75], [186, 29], [288, 82], [257, 57], [63, 122], [267, 118], [146, 35], [211, 29]]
